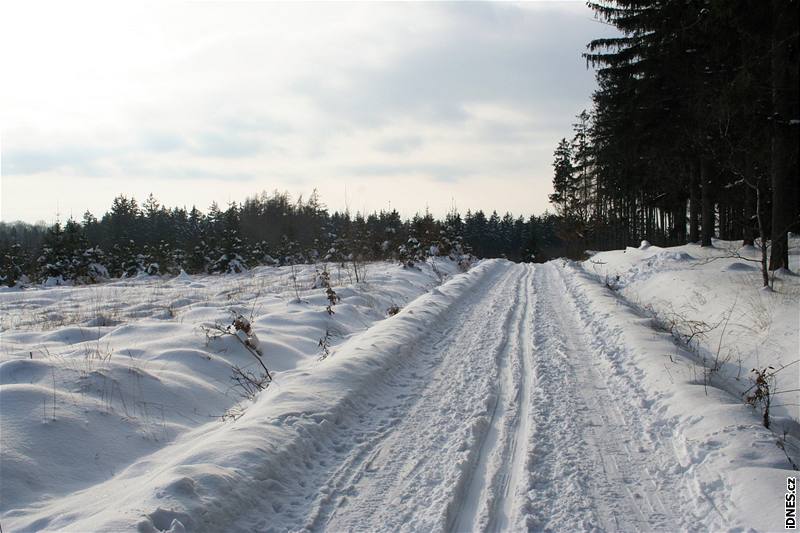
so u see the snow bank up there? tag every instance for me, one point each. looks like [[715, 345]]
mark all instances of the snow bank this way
[[711, 300], [692, 289], [117, 426], [733, 473]]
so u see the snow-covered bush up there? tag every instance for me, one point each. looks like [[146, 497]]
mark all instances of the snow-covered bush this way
[[324, 280], [248, 382]]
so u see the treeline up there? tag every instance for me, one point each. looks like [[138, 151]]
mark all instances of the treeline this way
[[694, 128], [269, 229]]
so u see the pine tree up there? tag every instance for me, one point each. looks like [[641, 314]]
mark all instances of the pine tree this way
[[122, 222], [582, 186], [178, 260], [74, 244], [563, 179], [94, 265], [125, 261], [53, 263], [231, 247], [12, 264]]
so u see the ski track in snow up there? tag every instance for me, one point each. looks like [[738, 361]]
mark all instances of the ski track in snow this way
[[510, 387]]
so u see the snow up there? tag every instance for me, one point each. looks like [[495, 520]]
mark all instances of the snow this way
[[94, 378], [510, 397], [714, 451], [751, 328]]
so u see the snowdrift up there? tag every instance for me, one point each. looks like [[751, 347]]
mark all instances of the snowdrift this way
[[130, 413]]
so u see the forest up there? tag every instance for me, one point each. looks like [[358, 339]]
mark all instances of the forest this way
[[267, 229], [693, 132]]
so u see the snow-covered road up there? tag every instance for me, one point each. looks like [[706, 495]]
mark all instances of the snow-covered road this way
[[500, 420]]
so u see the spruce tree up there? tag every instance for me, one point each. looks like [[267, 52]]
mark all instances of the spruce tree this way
[[12, 264], [231, 248], [53, 263]]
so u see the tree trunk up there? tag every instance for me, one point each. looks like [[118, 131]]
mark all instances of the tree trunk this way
[[679, 223], [748, 215], [762, 233], [707, 204], [694, 206], [781, 168]]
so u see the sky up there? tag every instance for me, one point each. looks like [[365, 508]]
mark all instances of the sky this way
[[408, 106]]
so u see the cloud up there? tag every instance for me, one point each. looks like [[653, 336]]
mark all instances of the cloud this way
[[64, 158], [399, 145], [162, 142], [184, 173], [247, 121], [226, 144], [239, 97], [432, 171], [497, 54]]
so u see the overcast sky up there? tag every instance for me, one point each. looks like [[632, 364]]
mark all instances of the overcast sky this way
[[376, 105]]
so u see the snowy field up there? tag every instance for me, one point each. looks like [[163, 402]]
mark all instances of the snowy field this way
[[94, 379], [511, 397]]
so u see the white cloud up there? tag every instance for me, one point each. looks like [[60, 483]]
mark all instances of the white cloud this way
[[462, 101]]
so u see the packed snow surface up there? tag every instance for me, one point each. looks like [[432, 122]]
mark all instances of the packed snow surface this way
[[510, 397]]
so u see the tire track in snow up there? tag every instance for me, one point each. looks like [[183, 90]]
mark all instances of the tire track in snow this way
[[409, 478], [590, 466], [667, 488], [504, 518], [489, 500]]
